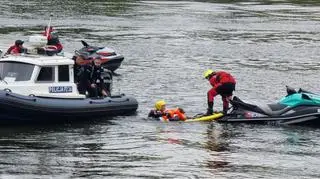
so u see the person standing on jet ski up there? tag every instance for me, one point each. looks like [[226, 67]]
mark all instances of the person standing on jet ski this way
[[16, 48], [222, 83], [53, 39], [160, 112]]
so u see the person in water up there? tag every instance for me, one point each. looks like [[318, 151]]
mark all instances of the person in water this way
[[222, 83], [94, 79], [52, 41], [17, 48], [161, 112]]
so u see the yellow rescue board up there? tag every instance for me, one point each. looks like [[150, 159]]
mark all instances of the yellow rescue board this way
[[206, 118]]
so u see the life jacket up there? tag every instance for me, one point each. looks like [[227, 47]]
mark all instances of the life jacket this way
[[53, 39], [55, 42], [15, 50], [173, 115]]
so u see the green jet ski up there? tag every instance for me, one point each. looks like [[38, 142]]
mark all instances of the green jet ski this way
[[297, 108]]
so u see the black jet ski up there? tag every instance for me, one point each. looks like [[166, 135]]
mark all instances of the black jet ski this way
[[110, 59], [298, 108]]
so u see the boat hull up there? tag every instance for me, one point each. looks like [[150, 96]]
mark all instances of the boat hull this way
[[307, 119], [18, 108]]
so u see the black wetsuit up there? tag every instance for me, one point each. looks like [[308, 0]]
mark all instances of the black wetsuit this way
[[88, 74]]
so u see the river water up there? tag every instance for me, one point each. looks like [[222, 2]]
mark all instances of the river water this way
[[167, 46]]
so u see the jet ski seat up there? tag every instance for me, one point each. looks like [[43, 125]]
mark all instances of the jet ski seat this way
[[267, 109], [275, 109], [238, 103]]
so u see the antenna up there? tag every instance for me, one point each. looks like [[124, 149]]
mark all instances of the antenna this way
[[49, 24]]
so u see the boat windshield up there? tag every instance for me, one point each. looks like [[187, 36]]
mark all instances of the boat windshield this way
[[15, 71]]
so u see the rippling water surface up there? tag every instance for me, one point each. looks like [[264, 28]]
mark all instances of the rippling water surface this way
[[167, 45]]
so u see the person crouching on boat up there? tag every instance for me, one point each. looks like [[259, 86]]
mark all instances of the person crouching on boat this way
[[98, 86], [222, 83], [17, 48], [94, 79], [160, 112], [53, 43]]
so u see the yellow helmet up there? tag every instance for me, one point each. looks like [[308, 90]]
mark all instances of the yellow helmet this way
[[207, 73], [159, 104]]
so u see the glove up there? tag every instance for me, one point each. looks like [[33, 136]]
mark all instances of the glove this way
[[167, 115], [181, 110]]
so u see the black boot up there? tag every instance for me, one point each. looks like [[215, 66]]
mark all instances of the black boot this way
[[225, 110], [210, 108]]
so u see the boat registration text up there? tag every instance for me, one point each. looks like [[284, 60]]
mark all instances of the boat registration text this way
[[60, 89]]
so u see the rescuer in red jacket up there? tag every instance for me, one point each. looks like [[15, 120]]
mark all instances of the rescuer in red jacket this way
[[17, 48], [222, 83]]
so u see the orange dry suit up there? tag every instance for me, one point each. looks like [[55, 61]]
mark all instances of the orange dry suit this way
[[173, 115]]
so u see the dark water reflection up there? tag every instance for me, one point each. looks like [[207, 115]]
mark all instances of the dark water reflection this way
[[167, 45]]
